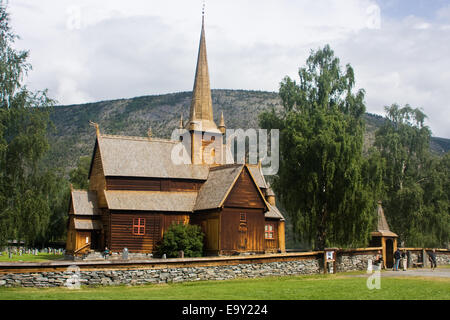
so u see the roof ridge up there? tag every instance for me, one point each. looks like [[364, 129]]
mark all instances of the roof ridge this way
[[136, 138], [225, 166]]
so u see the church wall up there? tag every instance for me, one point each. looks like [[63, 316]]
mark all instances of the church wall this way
[[210, 226], [241, 234], [151, 184], [244, 193], [97, 181], [123, 235], [271, 245]]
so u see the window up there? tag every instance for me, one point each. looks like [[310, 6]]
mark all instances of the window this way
[[138, 226], [243, 217], [268, 231]]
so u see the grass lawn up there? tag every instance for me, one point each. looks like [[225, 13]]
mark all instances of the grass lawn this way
[[30, 257], [317, 287]]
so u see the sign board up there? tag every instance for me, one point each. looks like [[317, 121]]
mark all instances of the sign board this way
[[330, 255]]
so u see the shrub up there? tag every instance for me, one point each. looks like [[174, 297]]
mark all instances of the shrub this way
[[186, 237]]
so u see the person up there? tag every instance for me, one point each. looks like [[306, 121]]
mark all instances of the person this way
[[404, 260], [432, 259], [397, 257], [106, 253], [379, 260]]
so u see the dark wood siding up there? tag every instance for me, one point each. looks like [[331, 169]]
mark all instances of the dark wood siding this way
[[272, 245], [236, 236], [122, 236], [151, 184], [106, 231], [122, 232], [210, 225], [244, 193], [97, 180]]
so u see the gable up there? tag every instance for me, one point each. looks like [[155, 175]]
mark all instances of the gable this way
[[84, 203], [245, 193], [217, 186]]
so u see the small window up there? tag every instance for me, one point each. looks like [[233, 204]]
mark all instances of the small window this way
[[139, 226], [268, 231], [243, 217]]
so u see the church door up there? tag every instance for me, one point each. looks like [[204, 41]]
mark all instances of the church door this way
[[243, 231], [389, 253]]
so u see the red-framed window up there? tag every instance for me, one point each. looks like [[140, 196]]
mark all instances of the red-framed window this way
[[269, 231], [138, 226]]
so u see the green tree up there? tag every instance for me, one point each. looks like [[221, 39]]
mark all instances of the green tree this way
[[186, 237], [320, 181], [79, 175], [24, 118], [416, 201]]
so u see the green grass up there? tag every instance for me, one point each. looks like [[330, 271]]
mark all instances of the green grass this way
[[318, 287], [41, 257]]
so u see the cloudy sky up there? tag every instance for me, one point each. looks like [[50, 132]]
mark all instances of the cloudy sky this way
[[92, 50]]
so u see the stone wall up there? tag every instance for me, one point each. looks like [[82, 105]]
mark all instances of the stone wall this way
[[165, 275], [136, 272], [353, 262], [442, 257]]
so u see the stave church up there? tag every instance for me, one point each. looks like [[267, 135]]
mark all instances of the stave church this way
[[137, 190]]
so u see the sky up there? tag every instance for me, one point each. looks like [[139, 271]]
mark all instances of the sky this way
[[92, 50]]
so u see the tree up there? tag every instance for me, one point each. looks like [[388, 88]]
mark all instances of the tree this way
[[24, 118], [186, 237], [320, 181], [79, 175], [417, 203]]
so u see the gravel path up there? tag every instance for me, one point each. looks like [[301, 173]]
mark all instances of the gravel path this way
[[416, 272]]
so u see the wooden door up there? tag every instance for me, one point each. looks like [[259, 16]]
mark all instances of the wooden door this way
[[243, 236], [83, 238]]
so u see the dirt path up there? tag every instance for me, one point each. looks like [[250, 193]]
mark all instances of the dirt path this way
[[416, 272]]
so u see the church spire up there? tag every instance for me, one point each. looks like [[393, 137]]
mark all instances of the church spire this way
[[201, 113]]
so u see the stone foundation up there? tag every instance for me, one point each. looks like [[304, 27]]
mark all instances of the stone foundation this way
[[166, 275]]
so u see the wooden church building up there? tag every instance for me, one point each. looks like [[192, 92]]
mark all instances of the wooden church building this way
[[136, 190]]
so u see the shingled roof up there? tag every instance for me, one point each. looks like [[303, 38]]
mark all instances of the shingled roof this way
[[255, 170], [215, 189], [382, 225], [151, 200], [273, 213], [144, 157], [87, 224], [84, 202]]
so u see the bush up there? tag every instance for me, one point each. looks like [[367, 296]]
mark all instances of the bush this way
[[186, 237]]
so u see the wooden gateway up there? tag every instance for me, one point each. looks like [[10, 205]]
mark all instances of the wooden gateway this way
[[384, 237], [136, 190]]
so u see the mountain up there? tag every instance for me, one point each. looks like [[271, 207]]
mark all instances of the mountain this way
[[73, 136]]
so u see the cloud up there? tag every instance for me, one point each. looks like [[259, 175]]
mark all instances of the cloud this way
[[106, 49]]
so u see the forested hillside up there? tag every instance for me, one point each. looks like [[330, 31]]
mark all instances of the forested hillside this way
[[72, 136]]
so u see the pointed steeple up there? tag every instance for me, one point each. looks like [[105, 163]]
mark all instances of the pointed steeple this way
[[201, 115], [181, 122], [382, 224], [222, 126]]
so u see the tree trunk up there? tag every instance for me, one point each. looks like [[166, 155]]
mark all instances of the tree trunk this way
[[321, 235]]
